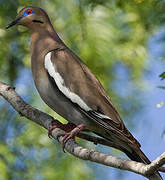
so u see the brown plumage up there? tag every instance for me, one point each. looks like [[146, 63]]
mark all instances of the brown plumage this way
[[68, 86]]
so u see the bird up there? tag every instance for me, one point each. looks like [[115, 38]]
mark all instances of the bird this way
[[68, 86]]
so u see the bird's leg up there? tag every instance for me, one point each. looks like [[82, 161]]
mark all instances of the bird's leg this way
[[56, 124], [71, 134]]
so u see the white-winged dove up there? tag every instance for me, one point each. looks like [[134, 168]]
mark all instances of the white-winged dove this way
[[68, 86]]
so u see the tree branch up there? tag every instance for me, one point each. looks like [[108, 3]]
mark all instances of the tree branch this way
[[72, 147]]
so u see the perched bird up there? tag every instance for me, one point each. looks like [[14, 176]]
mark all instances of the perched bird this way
[[68, 86]]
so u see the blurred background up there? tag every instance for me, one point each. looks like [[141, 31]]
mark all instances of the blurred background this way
[[122, 42]]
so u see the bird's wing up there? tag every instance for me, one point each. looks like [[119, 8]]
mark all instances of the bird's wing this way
[[80, 86]]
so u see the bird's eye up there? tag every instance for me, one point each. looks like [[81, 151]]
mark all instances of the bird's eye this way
[[28, 11]]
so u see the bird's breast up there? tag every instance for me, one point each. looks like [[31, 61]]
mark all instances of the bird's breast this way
[[47, 91], [52, 96]]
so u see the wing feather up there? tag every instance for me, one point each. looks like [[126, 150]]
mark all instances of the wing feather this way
[[82, 88]]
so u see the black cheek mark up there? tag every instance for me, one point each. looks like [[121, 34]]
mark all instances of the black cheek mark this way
[[38, 21]]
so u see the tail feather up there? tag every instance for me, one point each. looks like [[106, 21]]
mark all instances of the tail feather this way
[[136, 155]]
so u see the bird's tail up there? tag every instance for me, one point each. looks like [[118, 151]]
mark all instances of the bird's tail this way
[[139, 156], [135, 155]]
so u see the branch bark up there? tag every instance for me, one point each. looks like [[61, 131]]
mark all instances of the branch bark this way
[[72, 147]]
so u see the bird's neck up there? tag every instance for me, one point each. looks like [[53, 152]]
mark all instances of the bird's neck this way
[[44, 40]]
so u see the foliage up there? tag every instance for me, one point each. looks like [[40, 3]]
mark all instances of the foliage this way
[[107, 35], [162, 76]]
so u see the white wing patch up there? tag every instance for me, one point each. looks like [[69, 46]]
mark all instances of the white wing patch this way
[[102, 116], [61, 84]]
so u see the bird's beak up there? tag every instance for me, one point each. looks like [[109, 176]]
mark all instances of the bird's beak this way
[[13, 22]]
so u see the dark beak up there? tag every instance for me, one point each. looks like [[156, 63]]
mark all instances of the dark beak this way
[[13, 23]]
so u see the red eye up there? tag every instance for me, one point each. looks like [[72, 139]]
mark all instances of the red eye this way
[[28, 11]]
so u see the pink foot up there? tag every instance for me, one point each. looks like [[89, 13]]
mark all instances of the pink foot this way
[[71, 134], [57, 124]]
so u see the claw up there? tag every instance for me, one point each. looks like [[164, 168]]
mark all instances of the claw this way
[[66, 127], [56, 124], [51, 128], [70, 135]]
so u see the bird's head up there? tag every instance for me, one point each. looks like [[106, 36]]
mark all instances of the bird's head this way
[[31, 17]]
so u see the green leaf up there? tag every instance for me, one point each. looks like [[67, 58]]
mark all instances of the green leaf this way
[[162, 87], [162, 76]]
